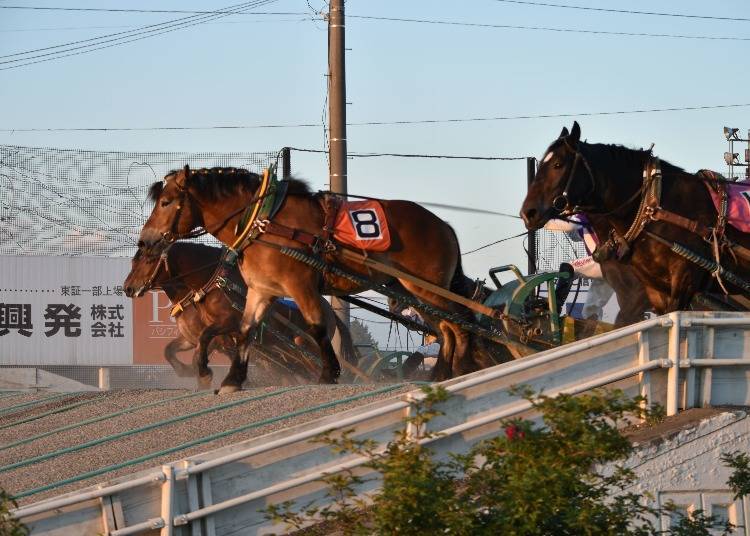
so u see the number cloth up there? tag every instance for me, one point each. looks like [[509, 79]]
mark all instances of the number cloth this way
[[738, 210], [362, 224]]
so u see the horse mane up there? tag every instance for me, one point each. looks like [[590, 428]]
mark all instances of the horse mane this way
[[619, 157], [220, 182]]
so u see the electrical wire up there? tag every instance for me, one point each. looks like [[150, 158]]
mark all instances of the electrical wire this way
[[493, 243], [624, 11], [177, 11], [408, 155], [386, 123], [124, 38], [550, 29]]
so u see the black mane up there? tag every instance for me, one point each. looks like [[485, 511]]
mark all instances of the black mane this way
[[220, 182], [613, 157]]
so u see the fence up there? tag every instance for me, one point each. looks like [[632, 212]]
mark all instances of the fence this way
[[678, 360], [76, 202]]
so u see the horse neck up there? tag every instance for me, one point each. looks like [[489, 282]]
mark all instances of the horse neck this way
[[618, 210], [188, 272], [215, 213]]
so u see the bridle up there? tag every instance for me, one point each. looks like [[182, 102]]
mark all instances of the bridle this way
[[561, 203], [170, 236], [154, 274]]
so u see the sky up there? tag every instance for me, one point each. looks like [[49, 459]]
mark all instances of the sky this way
[[269, 69]]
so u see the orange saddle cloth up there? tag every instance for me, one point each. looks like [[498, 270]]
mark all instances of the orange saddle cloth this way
[[362, 224]]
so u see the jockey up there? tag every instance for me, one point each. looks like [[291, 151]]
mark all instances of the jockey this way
[[599, 293]]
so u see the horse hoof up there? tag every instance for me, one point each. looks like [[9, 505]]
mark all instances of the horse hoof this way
[[204, 382], [327, 380], [227, 389]]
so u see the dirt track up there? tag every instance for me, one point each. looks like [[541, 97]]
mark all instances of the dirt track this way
[[157, 438]]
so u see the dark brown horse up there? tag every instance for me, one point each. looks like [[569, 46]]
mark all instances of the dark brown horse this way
[[631, 294], [213, 322], [608, 181], [421, 244]]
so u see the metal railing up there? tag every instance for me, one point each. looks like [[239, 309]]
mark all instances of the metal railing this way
[[671, 359]]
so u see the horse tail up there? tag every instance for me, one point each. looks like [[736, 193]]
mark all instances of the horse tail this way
[[347, 344], [460, 282]]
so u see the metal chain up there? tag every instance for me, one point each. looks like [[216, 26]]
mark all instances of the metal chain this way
[[320, 265]]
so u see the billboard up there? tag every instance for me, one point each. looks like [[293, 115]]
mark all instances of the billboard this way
[[73, 311]]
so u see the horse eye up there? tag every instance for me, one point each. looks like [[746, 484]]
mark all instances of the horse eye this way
[[557, 165], [165, 202]]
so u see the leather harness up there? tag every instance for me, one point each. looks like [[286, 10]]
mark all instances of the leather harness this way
[[650, 210]]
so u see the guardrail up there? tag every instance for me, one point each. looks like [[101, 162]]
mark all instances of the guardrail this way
[[679, 360]]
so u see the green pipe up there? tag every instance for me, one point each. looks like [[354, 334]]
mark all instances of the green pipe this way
[[51, 412], [9, 409], [200, 441], [101, 418], [126, 433]]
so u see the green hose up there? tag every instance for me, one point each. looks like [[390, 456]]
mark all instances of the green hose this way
[[200, 441], [119, 435], [100, 418], [9, 409]]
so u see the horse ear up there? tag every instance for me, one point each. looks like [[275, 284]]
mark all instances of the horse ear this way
[[564, 132], [575, 132], [187, 171]]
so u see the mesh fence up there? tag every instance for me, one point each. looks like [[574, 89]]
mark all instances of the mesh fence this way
[[93, 203], [555, 247]]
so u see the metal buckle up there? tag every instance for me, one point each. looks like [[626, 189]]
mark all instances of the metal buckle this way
[[260, 225]]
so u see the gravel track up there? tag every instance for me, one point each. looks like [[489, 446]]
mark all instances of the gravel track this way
[[130, 447]]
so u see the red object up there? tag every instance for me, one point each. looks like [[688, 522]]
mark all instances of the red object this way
[[514, 432], [362, 224]]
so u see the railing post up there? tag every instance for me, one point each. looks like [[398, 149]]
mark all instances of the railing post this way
[[167, 500], [673, 376], [644, 378], [707, 372], [104, 383]]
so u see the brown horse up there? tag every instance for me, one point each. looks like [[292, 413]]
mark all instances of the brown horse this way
[[421, 244], [631, 294], [608, 181], [213, 322]]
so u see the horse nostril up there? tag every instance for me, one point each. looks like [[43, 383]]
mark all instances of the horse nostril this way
[[129, 292], [530, 214]]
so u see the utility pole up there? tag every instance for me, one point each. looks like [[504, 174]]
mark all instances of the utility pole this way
[[337, 117], [531, 251]]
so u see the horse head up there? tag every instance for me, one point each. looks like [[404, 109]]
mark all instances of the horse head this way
[[562, 182], [175, 213], [147, 271]]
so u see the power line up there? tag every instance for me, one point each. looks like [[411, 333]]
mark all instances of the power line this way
[[624, 11], [125, 37], [494, 243], [178, 11], [551, 29], [408, 155], [78, 28], [102, 37], [386, 123]]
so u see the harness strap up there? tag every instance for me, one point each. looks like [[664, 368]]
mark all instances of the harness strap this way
[[219, 280], [694, 226], [649, 201]]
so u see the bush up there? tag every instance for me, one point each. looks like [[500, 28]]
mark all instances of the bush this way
[[562, 478], [9, 526]]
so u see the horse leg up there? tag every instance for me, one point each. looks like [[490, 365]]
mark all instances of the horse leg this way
[[180, 344], [256, 305], [443, 367], [462, 362], [237, 372], [309, 305], [200, 359]]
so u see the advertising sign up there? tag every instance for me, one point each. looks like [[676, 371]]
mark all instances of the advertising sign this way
[[64, 311]]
